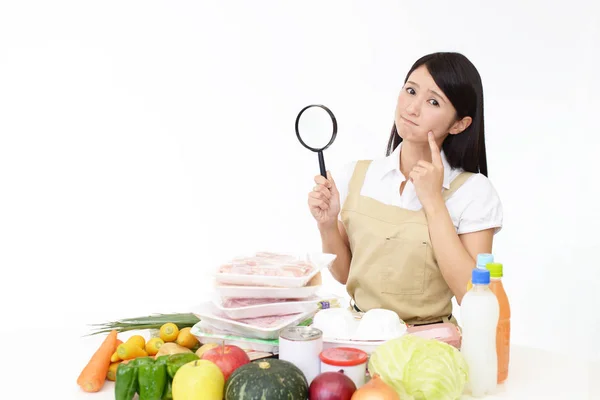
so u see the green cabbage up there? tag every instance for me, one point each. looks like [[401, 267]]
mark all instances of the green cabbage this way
[[421, 369]]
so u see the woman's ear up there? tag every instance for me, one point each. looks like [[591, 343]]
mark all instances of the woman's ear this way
[[460, 125]]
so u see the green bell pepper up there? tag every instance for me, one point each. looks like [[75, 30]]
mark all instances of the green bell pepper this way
[[141, 360], [168, 394], [162, 359], [126, 382], [152, 378], [128, 378], [176, 361]]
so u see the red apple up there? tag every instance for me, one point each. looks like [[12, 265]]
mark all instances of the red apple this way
[[228, 358]]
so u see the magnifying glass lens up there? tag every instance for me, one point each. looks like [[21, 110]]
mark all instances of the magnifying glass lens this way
[[315, 127]]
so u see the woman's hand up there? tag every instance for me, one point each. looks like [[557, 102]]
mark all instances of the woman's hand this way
[[428, 177], [324, 202]]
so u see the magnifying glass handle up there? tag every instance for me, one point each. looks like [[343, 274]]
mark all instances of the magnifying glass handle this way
[[322, 165]]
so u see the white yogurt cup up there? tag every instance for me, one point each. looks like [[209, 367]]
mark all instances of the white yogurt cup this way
[[352, 362]]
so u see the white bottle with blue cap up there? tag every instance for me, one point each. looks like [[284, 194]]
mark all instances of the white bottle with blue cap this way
[[479, 312], [483, 259]]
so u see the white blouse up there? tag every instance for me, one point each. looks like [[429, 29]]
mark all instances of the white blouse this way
[[475, 206]]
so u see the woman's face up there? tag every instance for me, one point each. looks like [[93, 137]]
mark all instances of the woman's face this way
[[423, 107]]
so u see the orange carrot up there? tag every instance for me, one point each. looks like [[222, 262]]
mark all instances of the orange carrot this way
[[93, 376]]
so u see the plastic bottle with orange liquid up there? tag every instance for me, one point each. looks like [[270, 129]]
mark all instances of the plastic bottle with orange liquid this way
[[503, 329]]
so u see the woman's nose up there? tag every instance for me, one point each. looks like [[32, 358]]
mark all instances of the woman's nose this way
[[412, 108]]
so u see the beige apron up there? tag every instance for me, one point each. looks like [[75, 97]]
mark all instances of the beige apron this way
[[393, 265]]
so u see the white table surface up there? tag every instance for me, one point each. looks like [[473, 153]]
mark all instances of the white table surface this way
[[533, 374]]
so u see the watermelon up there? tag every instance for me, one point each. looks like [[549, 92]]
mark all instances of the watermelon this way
[[271, 379]]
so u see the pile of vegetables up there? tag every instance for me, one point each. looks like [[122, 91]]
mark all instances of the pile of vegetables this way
[[420, 369], [150, 378], [408, 368], [115, 357]]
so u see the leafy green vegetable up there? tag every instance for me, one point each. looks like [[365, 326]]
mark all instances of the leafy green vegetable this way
[[421, 369]]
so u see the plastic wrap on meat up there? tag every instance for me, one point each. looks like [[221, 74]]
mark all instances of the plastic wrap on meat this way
[[267, 322], [268, 264], [239, 302]]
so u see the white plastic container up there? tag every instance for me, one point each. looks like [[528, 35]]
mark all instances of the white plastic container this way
[[266, 308], [352, 362], [479, 315], [260, 328], [318, 261], [379, 324], [336, 323], [206, 334], [266, 292], [301, 345]]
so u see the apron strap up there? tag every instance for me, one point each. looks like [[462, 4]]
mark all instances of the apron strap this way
[[456, 184], [356, 182]]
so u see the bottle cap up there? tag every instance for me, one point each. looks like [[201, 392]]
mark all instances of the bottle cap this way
[[495, 270], [483, 259], [480, 276]]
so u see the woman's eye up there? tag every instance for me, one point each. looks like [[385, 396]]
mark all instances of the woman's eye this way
[[410, 90], [434, 102]]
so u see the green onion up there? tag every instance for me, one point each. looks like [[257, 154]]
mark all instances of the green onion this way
[[148, 322]]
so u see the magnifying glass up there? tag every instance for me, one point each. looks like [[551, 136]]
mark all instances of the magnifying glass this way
[[319, 129]]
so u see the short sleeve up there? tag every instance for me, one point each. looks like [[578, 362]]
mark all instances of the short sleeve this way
[[483, 210], [342, 180]]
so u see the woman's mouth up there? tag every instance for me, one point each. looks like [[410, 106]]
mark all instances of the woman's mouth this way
[[408, 122]]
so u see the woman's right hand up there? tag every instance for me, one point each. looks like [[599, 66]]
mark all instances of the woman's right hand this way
[[324, 201]]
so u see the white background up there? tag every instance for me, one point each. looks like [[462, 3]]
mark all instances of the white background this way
[[143, 142]]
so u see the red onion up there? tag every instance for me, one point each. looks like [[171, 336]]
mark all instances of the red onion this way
[[331, 386]]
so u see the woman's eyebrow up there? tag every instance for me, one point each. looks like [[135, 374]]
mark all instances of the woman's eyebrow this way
[[432, 91], [438, 95]]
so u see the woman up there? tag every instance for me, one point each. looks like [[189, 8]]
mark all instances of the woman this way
[[407, 228]]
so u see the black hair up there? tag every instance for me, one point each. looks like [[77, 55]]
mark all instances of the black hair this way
[[458, 78]]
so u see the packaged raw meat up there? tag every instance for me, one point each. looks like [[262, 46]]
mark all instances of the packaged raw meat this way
[[445, 332], [263, 328], [273, 269], [269, 264], [242, 308], [264, 292]]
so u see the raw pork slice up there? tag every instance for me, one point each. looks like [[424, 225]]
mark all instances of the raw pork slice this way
[[268, 322], [240, 302], [268, 264]]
